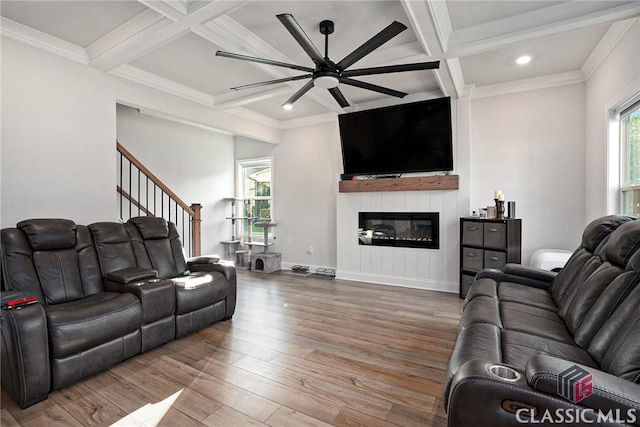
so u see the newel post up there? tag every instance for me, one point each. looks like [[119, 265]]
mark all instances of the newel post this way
[[196, 223]]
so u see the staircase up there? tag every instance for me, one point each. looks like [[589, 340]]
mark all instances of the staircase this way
[[140, 192]]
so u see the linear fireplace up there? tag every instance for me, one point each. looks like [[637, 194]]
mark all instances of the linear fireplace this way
[[399, 229]]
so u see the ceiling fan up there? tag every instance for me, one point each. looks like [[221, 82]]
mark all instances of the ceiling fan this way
[[328, 74]]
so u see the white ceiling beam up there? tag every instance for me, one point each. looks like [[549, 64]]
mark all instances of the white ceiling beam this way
[[228, 34], [178, 5], [216, 9], [441, 22], [137, 46], [130, 45], [557, 19], [138, 27], [233, 99], [416, 14], [433, 37], [145, 78], [163, 8]]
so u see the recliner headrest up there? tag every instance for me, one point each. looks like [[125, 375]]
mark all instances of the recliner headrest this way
[[109, 232], [623, 243], [48, 234], [600, 228], [151, 227]]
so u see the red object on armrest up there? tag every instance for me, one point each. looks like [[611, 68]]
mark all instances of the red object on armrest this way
[[20, 302]]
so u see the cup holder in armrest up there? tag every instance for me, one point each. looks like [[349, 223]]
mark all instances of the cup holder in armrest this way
[[504, 372]]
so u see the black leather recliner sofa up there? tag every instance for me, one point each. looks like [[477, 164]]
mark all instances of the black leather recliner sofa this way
[[536, 347], [78, 299]]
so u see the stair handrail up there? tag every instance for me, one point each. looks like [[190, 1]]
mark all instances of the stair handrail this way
[[193, 210]]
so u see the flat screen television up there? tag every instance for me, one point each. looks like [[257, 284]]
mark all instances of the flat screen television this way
[[414, 137]]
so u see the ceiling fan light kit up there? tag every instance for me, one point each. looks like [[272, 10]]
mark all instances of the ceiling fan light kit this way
[[327, 74], [325, 81]]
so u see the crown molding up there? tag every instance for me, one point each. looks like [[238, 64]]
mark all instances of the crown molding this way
[[27, 35], [256, 117], [525, 85], [609, 41], [308, 121]]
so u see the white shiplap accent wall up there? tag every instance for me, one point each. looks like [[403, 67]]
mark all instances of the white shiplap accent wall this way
[[435, 269]]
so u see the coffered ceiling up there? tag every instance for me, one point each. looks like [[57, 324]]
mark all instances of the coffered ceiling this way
[[171, 44]]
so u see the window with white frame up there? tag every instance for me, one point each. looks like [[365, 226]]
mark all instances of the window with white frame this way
[[255, 186], [629, 134]]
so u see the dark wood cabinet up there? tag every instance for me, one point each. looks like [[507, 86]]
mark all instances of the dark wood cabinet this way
[[487, 243]]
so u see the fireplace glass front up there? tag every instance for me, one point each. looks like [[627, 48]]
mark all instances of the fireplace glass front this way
[[399, 229]]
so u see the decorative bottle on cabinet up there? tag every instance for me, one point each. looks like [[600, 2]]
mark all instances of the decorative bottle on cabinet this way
[[487, 243]]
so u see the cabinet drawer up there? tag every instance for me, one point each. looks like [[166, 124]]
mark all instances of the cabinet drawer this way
[[465, 283], [472, 259], [493, 259], [495, 235], [472, 233]]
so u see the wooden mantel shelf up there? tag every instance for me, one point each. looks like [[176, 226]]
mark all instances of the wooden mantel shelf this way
[[419, 183]]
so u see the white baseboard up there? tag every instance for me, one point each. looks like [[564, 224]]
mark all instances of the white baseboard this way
[[381, 279], [451, 287]]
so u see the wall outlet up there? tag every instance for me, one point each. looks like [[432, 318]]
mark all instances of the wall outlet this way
[[310, 250]]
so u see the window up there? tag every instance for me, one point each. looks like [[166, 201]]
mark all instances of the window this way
[[630, 159], [255, 186]]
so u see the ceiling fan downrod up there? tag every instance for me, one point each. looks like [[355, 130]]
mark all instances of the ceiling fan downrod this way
[[326, 28]]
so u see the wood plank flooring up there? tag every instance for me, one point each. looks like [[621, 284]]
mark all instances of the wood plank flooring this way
[[298, 352]]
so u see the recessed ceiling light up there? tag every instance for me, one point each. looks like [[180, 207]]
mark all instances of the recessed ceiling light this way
[[287, 106], [523, 60]]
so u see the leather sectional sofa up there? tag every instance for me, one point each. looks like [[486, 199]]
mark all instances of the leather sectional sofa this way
[[536, 347], [78, 299]]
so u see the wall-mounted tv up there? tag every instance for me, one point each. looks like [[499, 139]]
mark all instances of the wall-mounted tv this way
[[414, 137]]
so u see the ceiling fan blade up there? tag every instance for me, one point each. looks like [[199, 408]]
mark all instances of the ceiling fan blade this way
[[372, 44], [432, 65], [370, 86], [304, 89], [338, 96], [272, 82], [301, 37], [263, 61]]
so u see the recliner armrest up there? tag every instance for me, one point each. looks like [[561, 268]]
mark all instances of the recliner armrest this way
[[604, 391], [131, 274], [502, 276], [229, 272], [25, 374], [208, 259], [479, 397], [530, 272]]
